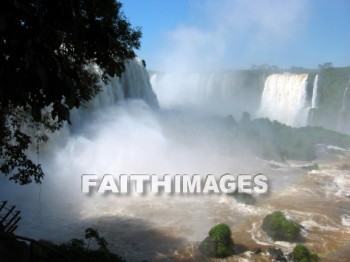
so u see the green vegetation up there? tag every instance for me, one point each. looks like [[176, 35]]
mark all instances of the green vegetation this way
[[325, 65], [219, 244], [332, 84], [279, 228], [78, 250], [302, 254], [47, 51], [273, 140], [220, 232]]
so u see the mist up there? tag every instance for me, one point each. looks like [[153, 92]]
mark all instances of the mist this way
[[201, 115], [130, 137], [235, 34]]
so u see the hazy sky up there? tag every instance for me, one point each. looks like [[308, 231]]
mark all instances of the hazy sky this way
[[224, 34]]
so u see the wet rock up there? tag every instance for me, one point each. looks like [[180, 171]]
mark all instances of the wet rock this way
[[243, 198], [279, 228], [219, 243], [277, 254], [257, 251], [302, 254]]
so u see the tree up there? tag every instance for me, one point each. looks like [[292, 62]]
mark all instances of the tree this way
[[325, 65], [48, 49]]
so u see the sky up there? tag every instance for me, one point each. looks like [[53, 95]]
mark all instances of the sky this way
[[236, 34]]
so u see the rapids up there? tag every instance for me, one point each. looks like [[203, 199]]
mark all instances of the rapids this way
[[123, 132]]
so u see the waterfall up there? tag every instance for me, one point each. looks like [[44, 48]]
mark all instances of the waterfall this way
[[344, 114], [191, 88], [283, 99], [221, 92], [346, 100], [314, 101], [314, 104], [134, 83]]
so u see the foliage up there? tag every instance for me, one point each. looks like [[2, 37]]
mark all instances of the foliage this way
[[14, 143], [332, 83], [220, 232], [12, 249], [48, 49], [78, 250], [279, 228], [266, 67], [273, 140], [91, 233], [325, 65], [219, 243], [302, 254]]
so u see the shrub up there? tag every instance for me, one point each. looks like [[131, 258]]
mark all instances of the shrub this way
[[219, 243], [279, 228], [302, 254]]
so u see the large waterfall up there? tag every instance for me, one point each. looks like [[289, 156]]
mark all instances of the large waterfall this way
[[134, 83], [221, 92], [118, 134], [284, 99], [193, 89]]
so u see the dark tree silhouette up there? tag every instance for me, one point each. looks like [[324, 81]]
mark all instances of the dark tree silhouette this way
[[46, 52]]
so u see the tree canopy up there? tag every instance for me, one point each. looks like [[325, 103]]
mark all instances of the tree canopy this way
[[47, 49]]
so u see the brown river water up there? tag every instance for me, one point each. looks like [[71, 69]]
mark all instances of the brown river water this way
[[169, 228]]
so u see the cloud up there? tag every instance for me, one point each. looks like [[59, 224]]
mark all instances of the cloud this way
[[233, 32]]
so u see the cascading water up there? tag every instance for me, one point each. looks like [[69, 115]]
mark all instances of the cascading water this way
[[222, 93], [314, 100], [284, 99], [134, 83], [115, 135], [124, 137], [314, 103], [344, 114], [193, 89]]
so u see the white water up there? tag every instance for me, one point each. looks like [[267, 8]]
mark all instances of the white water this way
[[284, 98], [116, 136], [219, 93], [134, 83], [344, 114], [121, 136], [346, 100], [314, 100]]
